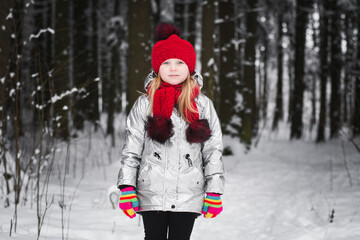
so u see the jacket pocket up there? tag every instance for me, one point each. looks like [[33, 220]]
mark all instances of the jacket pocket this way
[[192, 177], [200, 180], [143, 180]]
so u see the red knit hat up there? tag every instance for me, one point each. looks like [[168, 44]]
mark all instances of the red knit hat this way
[[170, 45]]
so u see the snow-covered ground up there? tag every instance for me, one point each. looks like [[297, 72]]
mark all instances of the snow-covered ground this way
[[281, 190]]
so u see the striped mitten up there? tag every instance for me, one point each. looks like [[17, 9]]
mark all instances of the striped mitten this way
[[129, 202], [212, 205]]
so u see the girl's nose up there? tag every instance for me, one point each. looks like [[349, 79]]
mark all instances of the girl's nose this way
[[172, 66]]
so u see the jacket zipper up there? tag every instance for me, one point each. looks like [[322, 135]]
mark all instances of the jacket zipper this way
[[165, 170], [157, 155], [187, 156]]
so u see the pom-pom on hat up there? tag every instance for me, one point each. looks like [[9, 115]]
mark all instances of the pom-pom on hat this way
[[170, 45]]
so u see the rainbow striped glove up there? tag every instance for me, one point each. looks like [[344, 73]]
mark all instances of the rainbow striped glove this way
[[129, 202], [212, 205]]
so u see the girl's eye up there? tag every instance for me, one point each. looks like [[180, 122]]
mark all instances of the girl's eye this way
[[165, 63], [180, 62]]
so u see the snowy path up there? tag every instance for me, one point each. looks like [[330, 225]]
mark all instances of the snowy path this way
[[281, 190]]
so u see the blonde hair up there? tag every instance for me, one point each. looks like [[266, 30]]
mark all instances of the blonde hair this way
[[184, 100]]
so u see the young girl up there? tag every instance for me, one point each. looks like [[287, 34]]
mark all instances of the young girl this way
[[172, 169]]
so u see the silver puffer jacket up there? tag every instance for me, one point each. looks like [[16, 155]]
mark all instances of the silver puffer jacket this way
[[173, 176]]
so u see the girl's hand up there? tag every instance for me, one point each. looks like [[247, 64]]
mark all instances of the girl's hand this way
[[212, 205], [129, 202]]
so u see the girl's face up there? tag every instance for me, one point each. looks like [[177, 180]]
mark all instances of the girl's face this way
[[173, 71]]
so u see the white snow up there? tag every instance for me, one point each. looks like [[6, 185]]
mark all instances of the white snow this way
[[237, 43], [10, 15], [50, 30], [210, 62], [281, 190], [11, 92], [34, 75], [66, 93]]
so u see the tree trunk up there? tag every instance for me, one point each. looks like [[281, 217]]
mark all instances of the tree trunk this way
[[81, 70], [298, 92], [61, 69], [191, 21], [124, 56], [14, 71], [50, 56], [41, 68], [250, 112], [324, 23], [114, 74], [350, 59], [14, 82], [208, 62], [105, 53], [92, 100], [356, 118], [347, 69], [139, 47], [279, 113], [290, 67], [264, 51], [227, 56], [335, 71], [264, 95], [313, 77], [156, 13], [179, 14], [86, 105], [4, 95]]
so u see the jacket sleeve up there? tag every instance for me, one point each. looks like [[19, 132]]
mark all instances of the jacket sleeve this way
[[212, 153], [134, 143]]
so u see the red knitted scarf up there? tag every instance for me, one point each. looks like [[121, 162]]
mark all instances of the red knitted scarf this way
[[160, 127], [167, 96]]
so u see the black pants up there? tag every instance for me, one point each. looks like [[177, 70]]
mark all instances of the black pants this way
[[176, 225]]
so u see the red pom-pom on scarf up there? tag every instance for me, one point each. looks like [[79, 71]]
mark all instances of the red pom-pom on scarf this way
[[198, 131], [159, 129]]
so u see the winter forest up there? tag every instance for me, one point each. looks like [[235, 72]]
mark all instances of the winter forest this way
[[284, 76]]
